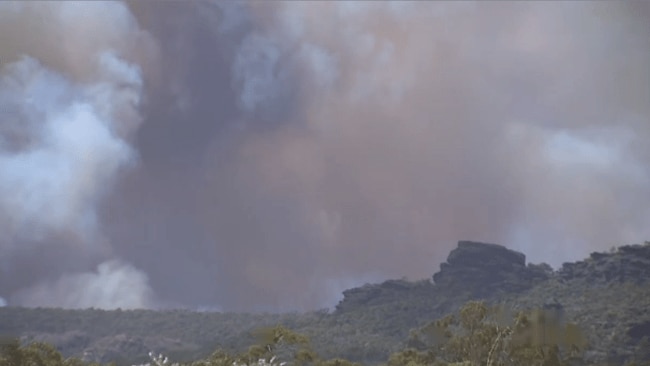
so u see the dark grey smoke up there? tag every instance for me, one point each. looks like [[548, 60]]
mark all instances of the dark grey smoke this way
[[268, 155]]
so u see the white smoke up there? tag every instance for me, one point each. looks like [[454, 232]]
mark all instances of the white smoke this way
[[258, 71], [3, 302], [68, 154], [114, 284], [70, 90]]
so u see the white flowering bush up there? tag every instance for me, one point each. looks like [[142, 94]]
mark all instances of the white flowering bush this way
[[159, 360], [261, 362]]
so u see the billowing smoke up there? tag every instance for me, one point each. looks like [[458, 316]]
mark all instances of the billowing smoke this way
[[69, 101], [268, 155], [60, 150], [113, 285]]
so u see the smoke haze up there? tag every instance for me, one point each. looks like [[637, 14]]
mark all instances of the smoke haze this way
[[268, 155]]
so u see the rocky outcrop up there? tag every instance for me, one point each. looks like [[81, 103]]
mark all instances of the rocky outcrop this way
[[629, 263], [476, 270], [483, 270], [472, 271]]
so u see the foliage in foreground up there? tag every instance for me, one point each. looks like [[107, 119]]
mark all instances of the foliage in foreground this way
[[606, 294], [478, 335], [12, 353]]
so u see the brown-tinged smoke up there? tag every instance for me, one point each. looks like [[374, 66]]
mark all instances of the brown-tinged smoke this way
[[272, 154]]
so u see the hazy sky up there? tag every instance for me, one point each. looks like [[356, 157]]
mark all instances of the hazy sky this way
[[268, 155]]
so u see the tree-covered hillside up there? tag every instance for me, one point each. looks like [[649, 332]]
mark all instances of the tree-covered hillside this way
[[605, 295]]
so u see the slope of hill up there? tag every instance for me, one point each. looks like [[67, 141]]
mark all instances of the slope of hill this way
[[607, 294]]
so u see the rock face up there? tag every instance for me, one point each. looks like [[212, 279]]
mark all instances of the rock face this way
[[483, 270]]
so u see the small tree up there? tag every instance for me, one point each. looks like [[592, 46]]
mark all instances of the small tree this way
[[480, 335]]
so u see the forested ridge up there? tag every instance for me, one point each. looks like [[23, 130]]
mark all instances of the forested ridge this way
[[485, 306]]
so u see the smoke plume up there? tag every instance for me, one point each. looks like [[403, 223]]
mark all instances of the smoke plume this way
[[113, 285], [268, 155], [69, 101]]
